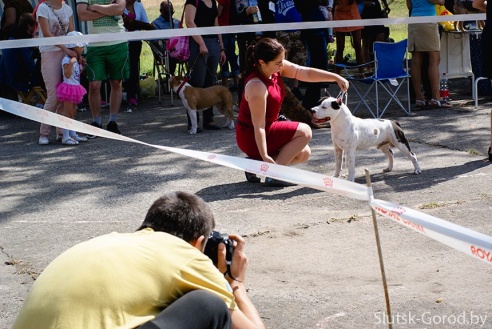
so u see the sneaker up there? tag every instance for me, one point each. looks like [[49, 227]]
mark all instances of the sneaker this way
[[43, 140], [95, 124], [113, 127]]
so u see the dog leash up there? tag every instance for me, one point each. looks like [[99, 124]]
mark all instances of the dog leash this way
[[343, 95]]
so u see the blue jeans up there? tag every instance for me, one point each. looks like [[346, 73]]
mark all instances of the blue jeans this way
[[229, 41], [209, 312], [204, 70]]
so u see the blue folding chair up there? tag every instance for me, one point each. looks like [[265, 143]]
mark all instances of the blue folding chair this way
[[390, 72]]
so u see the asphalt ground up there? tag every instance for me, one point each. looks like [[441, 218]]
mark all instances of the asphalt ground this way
[[313, 258]]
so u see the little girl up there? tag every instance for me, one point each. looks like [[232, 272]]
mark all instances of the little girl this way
[[70, 91]]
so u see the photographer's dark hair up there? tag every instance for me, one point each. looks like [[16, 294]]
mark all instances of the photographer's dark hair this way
[[266, 50], [181, 214]]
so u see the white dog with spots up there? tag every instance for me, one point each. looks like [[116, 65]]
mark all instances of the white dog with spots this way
[[350, 133]]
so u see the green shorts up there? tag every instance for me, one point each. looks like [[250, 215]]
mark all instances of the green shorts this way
[[107, 62]]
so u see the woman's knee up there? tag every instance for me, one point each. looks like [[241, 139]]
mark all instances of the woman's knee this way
[[305, 131]]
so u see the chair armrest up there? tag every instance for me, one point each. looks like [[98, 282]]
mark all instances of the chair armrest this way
[[344, 66]]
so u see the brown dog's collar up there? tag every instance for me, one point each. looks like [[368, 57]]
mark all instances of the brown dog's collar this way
[[185, 80]]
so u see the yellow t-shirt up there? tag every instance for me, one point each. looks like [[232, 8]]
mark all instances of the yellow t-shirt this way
[[119, 280]]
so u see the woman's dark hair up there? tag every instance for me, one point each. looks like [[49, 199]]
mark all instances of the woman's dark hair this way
[[266, 49], [181, 214]]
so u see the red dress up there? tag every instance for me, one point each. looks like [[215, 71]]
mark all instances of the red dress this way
[[278, 133]]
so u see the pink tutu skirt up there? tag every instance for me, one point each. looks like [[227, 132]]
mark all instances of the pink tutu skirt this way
[[70, 93]]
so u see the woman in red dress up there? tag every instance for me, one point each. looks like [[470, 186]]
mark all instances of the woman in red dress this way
[[258, 133]]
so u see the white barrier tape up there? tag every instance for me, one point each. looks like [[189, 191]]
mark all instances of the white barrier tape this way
[[472, 243], [292, 175], [164, 34]]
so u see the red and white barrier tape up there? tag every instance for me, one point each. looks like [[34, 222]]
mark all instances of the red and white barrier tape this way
[[472, 243]]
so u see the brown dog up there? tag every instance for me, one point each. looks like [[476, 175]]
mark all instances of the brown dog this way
[[199, 99], [292, 108]]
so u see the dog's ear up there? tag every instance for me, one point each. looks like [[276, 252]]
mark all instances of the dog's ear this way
[[336, 104]]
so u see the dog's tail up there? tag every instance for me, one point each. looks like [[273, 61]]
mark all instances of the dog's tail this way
[[400, 136]]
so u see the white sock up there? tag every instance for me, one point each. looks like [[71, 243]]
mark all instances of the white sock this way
[[66, 134]]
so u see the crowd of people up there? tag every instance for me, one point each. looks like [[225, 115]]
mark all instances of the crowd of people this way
[[119, 61]]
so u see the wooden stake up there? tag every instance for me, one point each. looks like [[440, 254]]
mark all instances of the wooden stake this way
[[380, 254]]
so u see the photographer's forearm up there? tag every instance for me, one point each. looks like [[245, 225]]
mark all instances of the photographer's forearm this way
[[246, 306]]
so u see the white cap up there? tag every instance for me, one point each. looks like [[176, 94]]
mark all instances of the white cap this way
[[74, 35]]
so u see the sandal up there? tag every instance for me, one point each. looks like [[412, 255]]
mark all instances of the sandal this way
[[70, 141], [439, 104], [419, 105], [79, 138]]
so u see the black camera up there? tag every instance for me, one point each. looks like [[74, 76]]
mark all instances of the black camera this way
[[212, 246]]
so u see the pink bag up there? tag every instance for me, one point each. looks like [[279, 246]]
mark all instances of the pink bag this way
[[179, 47]]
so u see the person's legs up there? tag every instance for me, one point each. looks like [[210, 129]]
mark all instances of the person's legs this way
[[212, 62], [230, 52], [96, 73], [117, 62], [297, 150], [51, 71], [340, 41], [132, 85], [434, 60], [208, 310], [318, 59], [94, 98], [359, 55], [114, 105], [67, 109], [416, 75], [196, 62]]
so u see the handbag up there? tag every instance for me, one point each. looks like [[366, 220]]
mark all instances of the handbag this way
[[179, 47]]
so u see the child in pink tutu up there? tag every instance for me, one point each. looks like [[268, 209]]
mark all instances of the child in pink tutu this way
[[70, 91]]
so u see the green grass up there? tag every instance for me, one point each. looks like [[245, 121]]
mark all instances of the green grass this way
[[397, 32]]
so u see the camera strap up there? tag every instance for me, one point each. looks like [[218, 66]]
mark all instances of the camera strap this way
[[228, 272]]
